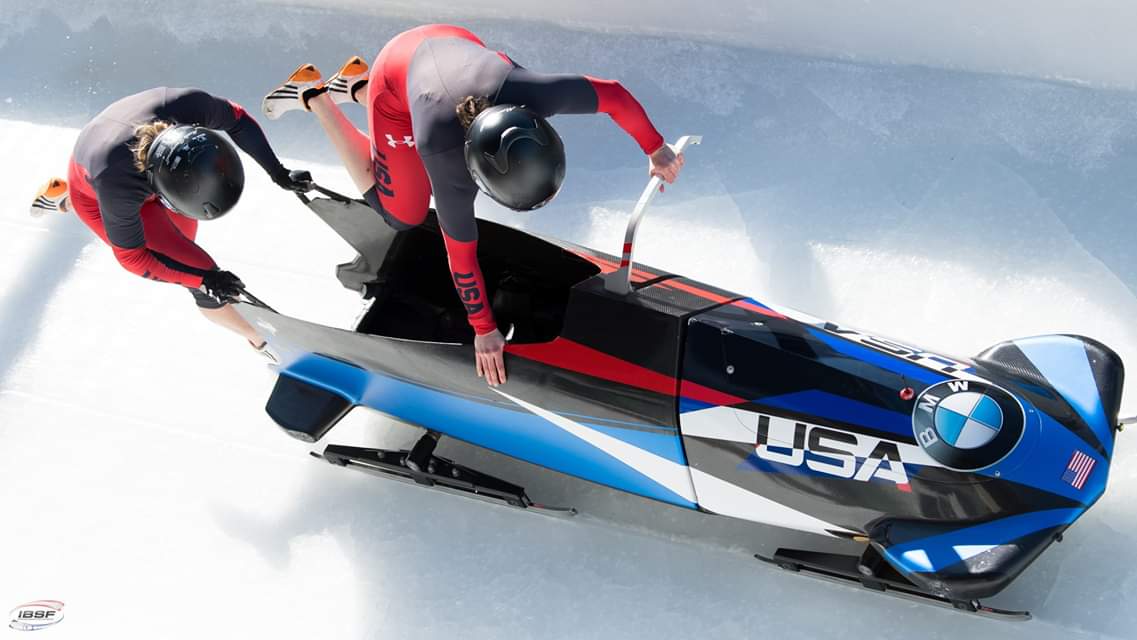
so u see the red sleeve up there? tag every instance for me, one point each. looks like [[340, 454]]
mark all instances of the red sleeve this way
[[470, 284], [154, 266], [612, 98]]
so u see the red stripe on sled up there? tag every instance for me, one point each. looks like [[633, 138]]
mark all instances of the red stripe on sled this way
[[578, 358], [575, 357], [708, 395]]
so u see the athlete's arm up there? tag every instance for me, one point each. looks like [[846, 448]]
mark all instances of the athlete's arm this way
[[120, 201], [194, 106], [551, 94], [454, 195]]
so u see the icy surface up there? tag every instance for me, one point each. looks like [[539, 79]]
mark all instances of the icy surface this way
[[142, 484]]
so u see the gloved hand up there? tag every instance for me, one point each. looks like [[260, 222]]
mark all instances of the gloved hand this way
[[297, 180], [222, 286]]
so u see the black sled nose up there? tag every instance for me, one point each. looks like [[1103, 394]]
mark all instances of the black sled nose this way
[[946, 560]]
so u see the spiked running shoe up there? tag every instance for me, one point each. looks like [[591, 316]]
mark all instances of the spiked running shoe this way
[[52, 197], [350, 79], [304, 84]]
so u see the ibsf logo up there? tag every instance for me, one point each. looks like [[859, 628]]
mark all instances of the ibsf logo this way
[[967, 425], [31, 616]]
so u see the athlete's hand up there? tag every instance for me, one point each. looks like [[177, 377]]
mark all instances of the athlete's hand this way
[[222, 286], [665, 164], [489, 354]]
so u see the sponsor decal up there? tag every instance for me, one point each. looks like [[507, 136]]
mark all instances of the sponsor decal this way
[[933, 361], [382, 173], [830, 451], [467, 286], [393, 143], [1078, 470], [967, 425], [39, 614]]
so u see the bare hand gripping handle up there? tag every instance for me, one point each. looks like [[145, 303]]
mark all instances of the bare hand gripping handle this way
[[620, 280]]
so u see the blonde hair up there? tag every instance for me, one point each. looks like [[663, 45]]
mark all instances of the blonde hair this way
[[469, 108], [144, 135]]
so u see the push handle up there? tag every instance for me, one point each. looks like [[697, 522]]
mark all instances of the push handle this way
[[620, 280], [338, 197], [253, 300]]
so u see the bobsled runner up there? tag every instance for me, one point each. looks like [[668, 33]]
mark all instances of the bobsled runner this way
[[955, 473]]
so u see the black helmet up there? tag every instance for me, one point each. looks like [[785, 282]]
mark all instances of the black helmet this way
[[195, 171], [515, 156]]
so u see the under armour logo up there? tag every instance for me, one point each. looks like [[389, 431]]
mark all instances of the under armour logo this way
[[510, 137], [407, 140]]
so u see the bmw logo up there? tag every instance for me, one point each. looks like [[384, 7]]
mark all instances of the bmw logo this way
[[967, 425]]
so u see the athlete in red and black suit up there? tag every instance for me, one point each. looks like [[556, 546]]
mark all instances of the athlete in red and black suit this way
[[115, 198], [415, 147]]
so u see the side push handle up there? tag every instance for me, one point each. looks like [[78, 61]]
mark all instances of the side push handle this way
[[338, 197], [620, 280], [253, 300]]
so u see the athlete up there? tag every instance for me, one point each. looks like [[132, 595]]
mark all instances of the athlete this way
[[448, 116], [147, 169]]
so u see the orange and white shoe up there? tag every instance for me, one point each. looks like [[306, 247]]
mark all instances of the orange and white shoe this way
[[52, 197], [301, 86], [350, 79]]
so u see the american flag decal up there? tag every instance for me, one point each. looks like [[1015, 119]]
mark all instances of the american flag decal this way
[[1078, 470]]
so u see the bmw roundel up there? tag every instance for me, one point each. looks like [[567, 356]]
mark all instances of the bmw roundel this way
[[966, 424]]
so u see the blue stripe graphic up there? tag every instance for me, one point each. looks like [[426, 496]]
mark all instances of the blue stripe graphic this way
[[1064, 364], [878, 358], [833, 407], [497, 425], [687, 405]]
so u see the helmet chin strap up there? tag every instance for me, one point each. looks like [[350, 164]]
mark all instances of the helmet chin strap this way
[[166, 203]]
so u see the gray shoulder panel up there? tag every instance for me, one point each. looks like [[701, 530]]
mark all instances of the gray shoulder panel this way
[[442, 72]]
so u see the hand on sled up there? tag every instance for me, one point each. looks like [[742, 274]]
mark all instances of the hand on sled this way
[[489, 355], [665, 164]]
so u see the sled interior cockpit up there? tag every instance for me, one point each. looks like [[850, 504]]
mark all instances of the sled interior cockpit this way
[[528, 281]]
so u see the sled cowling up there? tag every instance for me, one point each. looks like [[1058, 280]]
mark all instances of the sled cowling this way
[[1075, 380]]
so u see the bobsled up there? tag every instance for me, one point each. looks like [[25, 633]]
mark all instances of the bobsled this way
[[954, 473]]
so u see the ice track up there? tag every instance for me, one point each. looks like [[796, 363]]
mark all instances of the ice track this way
[[142, 484]]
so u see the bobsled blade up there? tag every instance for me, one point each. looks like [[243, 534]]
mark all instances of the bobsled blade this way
[[440, 474], [846, 570]]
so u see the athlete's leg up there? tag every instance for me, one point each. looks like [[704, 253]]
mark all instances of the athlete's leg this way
[[351, 144], [401, 188], [227, 316], [84, 201]]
